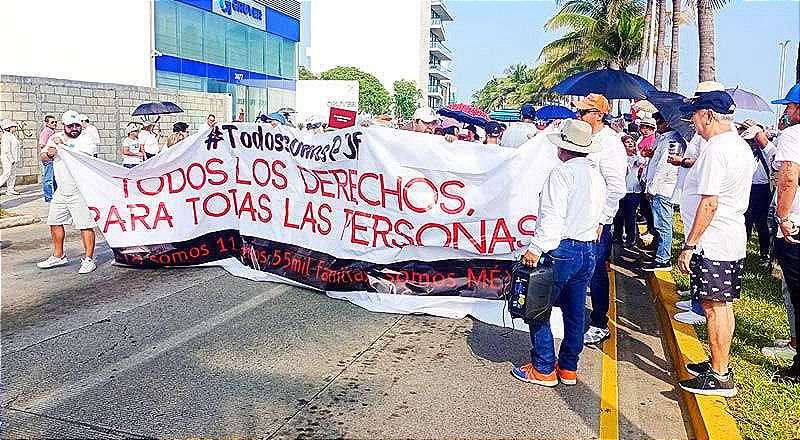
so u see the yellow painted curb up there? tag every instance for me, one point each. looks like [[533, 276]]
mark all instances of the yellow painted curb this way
[[709, 414]]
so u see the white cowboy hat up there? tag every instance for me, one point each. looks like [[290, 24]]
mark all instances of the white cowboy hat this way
[[575, 136]]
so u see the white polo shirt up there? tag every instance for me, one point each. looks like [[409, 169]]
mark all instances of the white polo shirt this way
[[789, 151], [724, 169], [613, 165]]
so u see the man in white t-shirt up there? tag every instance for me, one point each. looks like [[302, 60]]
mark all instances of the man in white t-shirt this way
[[68, 205], [715, 198], [90, 133], [520, 132], [613, 164], [149, 139], [132, 148], [787, 245]]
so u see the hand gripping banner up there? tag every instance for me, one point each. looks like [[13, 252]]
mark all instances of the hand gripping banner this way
[[391, 220]]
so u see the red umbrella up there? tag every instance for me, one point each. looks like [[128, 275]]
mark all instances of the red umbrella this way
[[465, 113]]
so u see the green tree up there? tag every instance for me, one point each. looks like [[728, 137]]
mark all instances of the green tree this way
[[372, 96], [304, 74], [406, 98], [599, 33]]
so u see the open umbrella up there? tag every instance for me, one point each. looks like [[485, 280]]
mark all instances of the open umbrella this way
[[156, 108], [465, 113], [611, 83], [747, 100], [506, 115], [669, 104], [554, 112]]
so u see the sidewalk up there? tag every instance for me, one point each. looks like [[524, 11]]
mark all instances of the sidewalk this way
[[29, 206]]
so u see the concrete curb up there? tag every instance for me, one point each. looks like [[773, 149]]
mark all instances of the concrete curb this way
[[709, 414], [17, 220]]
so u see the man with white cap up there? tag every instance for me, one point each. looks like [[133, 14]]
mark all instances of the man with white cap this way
[[68, 205], [760, 192], [571, 205], [424, 120], [715, 195], [90, 132], [612, 161], [149, 139], [9, 155]]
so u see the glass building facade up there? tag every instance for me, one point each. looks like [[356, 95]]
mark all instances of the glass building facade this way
[[205, 50]]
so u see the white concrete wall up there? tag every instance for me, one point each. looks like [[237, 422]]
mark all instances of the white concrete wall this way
[[381, 37], [88, 40]]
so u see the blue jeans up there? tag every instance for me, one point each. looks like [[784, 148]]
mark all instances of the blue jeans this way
[[48, 181], [662, 219], [573, 262], [626, 219], [599, 283]]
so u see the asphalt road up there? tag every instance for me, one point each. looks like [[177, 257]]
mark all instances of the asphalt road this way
[[197, 352]]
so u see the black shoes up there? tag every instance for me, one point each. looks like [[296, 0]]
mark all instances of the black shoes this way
[[789, 375], [710, 383]]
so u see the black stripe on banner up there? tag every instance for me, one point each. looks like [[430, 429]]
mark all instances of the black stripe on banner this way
[[478, 278], [204, 249]]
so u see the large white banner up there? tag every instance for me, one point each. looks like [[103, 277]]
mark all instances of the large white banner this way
[[392, 220]]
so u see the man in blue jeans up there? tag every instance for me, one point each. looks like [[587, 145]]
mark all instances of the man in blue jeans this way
[[48, 178], [570, 207], [660, 181]]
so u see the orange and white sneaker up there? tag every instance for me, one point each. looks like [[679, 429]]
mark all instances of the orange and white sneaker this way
[[527, 373], [567, 377]]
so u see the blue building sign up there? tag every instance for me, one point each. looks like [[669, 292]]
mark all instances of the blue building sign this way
[[244, 11]]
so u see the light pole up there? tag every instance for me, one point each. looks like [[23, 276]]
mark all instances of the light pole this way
[[783, 45]]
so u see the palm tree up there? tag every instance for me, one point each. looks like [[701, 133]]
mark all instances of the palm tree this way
[[600, 33], [705, 35], [674, 60], [645, 39], [658, 77]]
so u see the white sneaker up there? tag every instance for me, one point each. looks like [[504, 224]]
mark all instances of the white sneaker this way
[[785, 353], [690, 317], [53, 261], [684, 305], [683, 293], [595, 335], [87, 265]]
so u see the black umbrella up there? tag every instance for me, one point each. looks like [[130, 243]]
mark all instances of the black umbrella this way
[[611, 83], [669, 104], [156, 108]]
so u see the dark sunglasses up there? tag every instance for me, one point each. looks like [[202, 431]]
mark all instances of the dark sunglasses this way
[[584, 112]]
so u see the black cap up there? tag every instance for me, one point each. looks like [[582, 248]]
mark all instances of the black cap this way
[[493, 128]]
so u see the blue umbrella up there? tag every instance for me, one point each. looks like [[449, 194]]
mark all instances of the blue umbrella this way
[[555, 112], [611, 83], [465, 113], [506, 115], [669, 104]]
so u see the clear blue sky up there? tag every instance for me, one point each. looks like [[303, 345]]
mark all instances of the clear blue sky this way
[[489, 36]]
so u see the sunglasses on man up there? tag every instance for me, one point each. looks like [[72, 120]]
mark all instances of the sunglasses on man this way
[[584, 112]]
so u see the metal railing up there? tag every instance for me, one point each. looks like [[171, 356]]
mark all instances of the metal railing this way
[[441, 47], [436, 21], [435, 89], [440, 68]]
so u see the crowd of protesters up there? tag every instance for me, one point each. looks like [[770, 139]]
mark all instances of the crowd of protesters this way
[[615, 179]]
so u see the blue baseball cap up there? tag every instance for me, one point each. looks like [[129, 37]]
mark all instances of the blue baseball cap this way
[[792, 97], [527, 111], [718, 101], [493, 128]]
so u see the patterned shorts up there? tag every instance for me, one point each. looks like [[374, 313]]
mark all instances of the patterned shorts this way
[[715, 280]]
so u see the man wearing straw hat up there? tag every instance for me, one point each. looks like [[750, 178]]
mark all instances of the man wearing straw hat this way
[[570, 208]]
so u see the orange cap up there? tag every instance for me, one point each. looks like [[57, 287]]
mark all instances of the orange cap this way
[[594, 101]]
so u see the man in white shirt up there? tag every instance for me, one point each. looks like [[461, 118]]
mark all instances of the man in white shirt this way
[[10, 149], [715, 195], [661, 178], [520, 132], [613, 164], [570, 208], [91, 135], [149, 139], [760, 192], [787, 245], [68, 205]]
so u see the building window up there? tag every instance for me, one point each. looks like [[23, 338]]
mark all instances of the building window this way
[[166, 26], [236, 47], [214, 39], [257, 46], [288, 64], [272, 57], [190, 32]]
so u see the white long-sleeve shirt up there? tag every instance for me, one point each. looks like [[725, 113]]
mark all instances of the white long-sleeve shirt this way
[[570, 206], [662, 175], [11, 146], [613, 163]]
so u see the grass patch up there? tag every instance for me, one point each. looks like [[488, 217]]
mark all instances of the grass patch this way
[[762, 409]]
